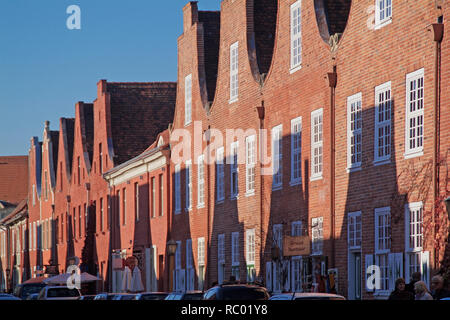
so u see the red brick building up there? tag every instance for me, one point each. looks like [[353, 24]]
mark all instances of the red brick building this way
[[346, 99]]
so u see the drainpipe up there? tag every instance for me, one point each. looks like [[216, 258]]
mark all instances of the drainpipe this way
[[261, 116], [332, 80], [208, 239], [438, 32]]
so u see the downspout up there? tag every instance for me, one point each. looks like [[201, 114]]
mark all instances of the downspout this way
[[261, 116], [208, 240], [438, 32], [332, 80]]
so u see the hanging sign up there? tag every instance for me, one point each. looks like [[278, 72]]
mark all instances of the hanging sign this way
[[296, 246]]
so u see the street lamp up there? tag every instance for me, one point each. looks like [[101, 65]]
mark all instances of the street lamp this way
[[171, 249]]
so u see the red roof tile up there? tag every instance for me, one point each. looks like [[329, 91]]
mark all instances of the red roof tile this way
[[13, 178]]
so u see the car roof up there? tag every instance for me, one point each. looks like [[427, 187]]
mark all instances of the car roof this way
[[309, 295]]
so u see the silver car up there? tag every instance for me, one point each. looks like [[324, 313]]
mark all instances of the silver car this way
[[59, 293]]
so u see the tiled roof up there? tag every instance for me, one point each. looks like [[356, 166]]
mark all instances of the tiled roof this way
[[139, 111], [13, 178], [211, 27]]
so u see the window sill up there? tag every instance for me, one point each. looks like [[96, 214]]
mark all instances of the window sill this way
[[381, 162], [202, 206], [295, 69], [231, 101], [188, 124], [413, 154], [383, 23], [234, 197], [221, 201], [354, 169], [177, 212], [315, 178], [250, 194], [295, 183], [277, 188]]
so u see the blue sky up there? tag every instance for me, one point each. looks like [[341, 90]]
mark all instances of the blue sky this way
[[45, 68]]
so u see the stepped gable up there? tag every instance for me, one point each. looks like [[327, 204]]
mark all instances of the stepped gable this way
[[139, 111], [211, 39]]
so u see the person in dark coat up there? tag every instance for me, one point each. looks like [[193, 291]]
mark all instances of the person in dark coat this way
[[400, 293], [437, 288], [415, 277]]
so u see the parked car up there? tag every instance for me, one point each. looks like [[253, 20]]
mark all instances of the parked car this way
[[23, 290], [307, 296], [185, 295], [5, 296], [87, 297], [58, 293], [33, 296], [151, 296], [105, 296], [237, 292], [124, 296]]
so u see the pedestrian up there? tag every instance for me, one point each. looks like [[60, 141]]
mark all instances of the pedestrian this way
[[400, 293], [416, 276], [437, 288], [421, 291]]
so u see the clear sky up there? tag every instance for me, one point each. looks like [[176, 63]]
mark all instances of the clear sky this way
[[45, 68]]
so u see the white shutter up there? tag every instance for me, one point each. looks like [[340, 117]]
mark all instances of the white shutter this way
[[269, 276], [425, 260], [369, 261]]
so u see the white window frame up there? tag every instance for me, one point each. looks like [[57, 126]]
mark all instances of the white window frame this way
[[296, 36], [177, 189], [296, 228], [250, 162], [277, 157], [201, 182], [416, 115], [234, 72], [235, 249], [317, 236], [250, 248], [383, 100], [277, 235], [382, 252], [201, 251], [353, 229], [414, 222], [387, 19], [220, 171], [188, 185], [317, 144], [354, 117], [234, 169], [188, 99], [296, 151]]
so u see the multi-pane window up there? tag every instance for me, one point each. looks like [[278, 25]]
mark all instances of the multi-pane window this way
[[190, 272], [234, 71], [153, 197], [177, 188], [383, 244], [354, 230], [161, 195], [278, 236], [188, 185], [414, 236], [383, 12], [383, 109], [277, 157], [250, 152], [221, 258], [296, 228], [220, 181], [296, 151], [250, 246], [188, 99], [234, 168], [136, 201], [316, 144], [124, 206], [235, 248], [354, 131], [296, 35], [189, 257], [201, 182], [201, 262], [317, 236], [414, 113]]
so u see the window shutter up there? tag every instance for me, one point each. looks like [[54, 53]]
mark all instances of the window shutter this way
[[182, 285], [369, 261], [287, 271], [269, 276], [399, 266], [191, 279], [425, 259]]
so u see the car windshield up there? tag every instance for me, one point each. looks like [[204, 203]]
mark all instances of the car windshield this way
[[242, 293], [62, 292]]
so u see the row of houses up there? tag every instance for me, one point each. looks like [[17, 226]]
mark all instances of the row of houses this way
[[290, 120]]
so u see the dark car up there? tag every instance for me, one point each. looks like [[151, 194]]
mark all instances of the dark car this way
[[23, 290], [105, 296], [5, 296], [151, 296], [185, 295], [87, 297], [237, 292], [33, 296], [124, 296]]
